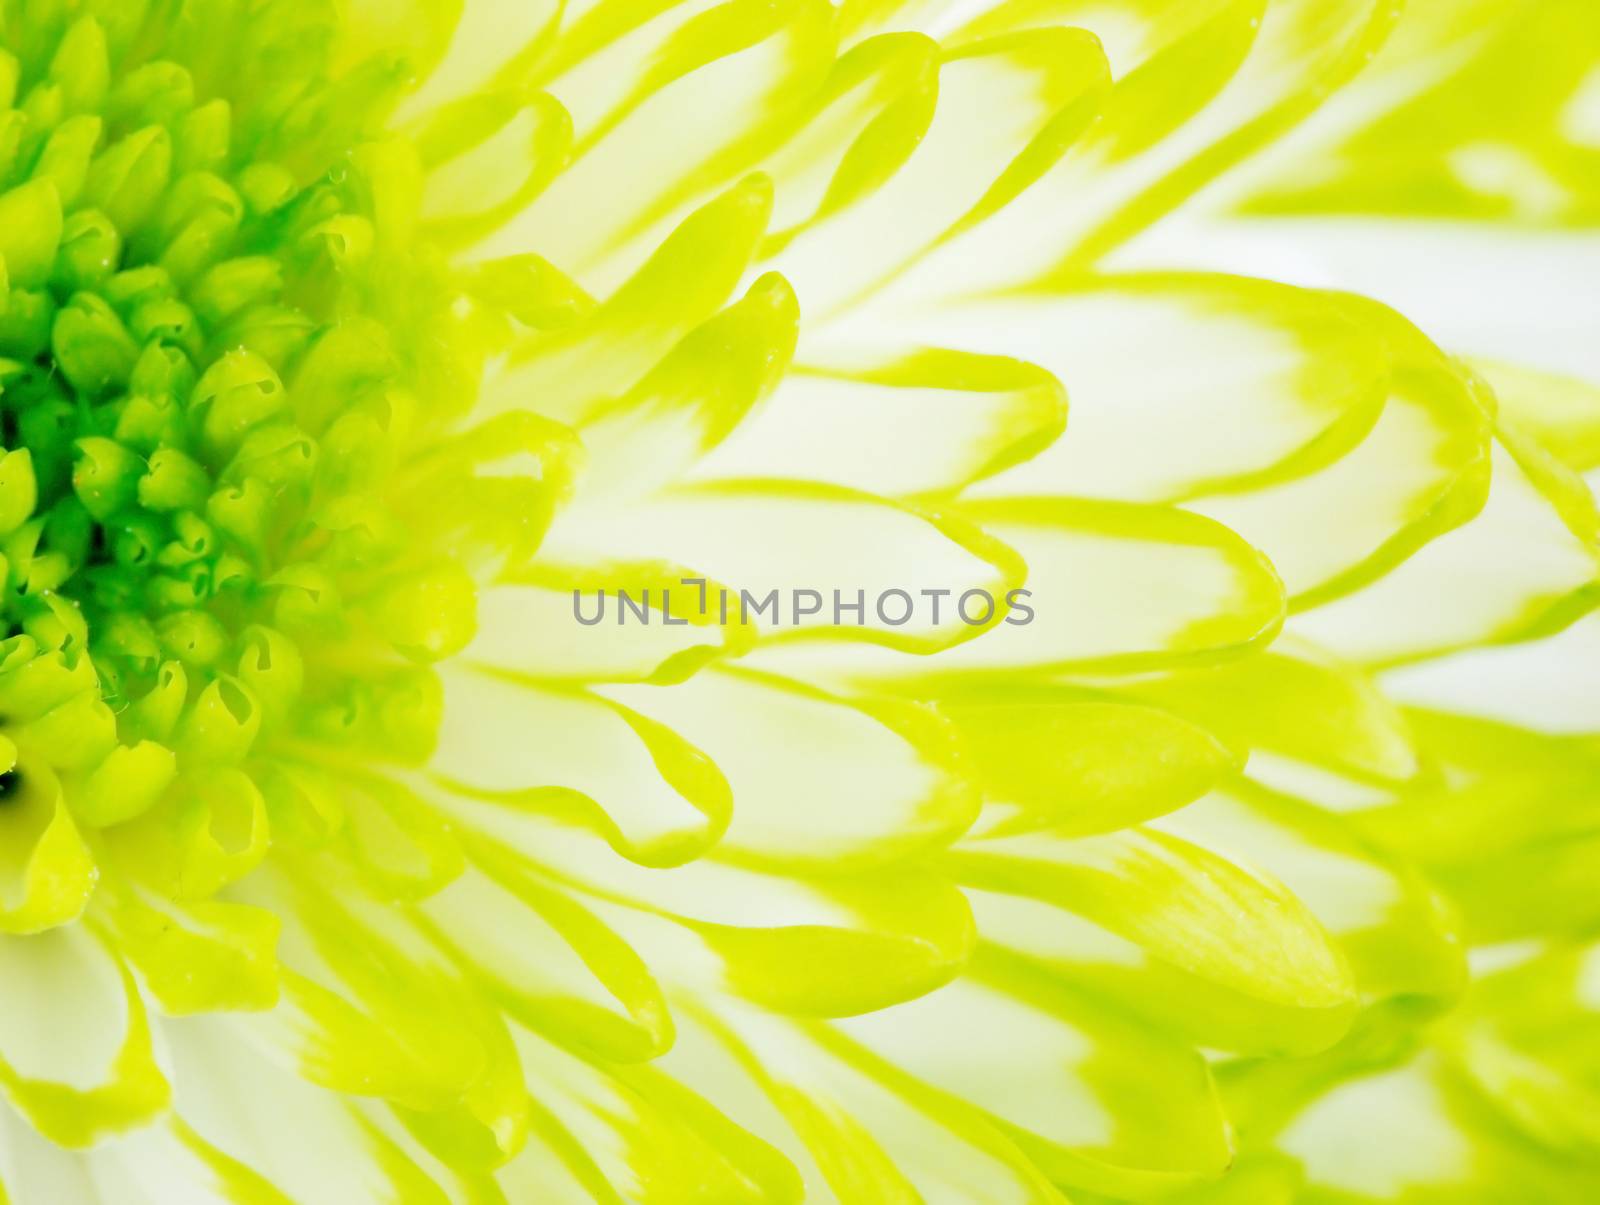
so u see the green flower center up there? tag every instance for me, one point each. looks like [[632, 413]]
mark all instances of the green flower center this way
[[239, 515]]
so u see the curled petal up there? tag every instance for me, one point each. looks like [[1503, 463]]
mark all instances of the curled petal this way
[[75, 1049]]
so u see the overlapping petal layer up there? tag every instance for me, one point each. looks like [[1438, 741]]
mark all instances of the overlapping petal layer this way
[[343, 349]]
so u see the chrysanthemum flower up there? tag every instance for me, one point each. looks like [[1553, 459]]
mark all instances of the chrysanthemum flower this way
[[1240, 849]]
